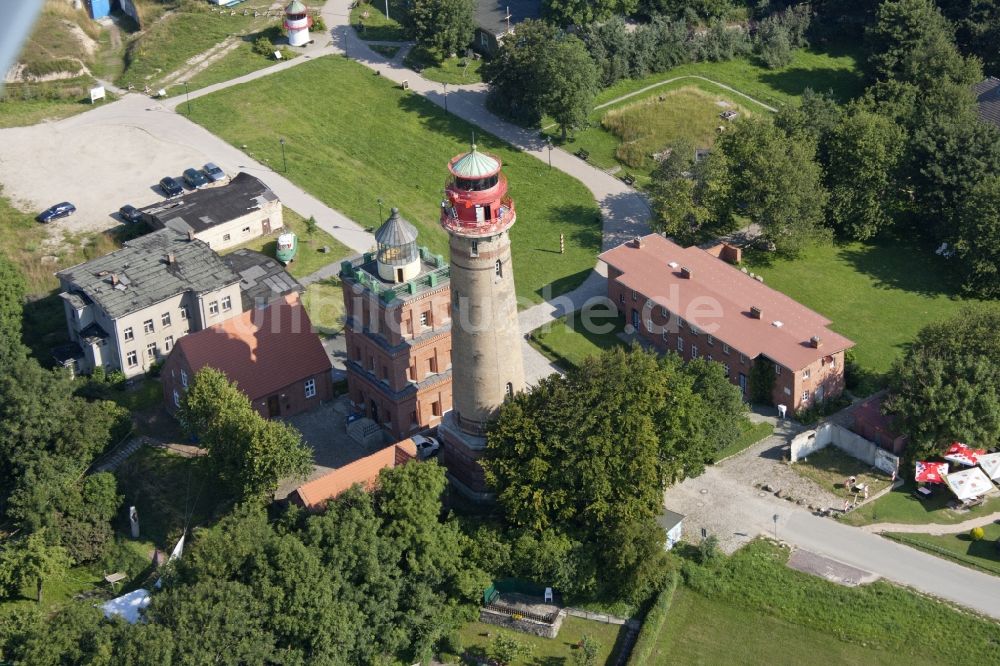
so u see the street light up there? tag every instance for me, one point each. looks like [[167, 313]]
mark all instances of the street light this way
[[379, 202], [187, 93], [550, 152], [386, 10], [445, 86], [775, 518], [284, 160]]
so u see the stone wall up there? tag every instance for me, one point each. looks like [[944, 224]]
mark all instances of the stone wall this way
[[523, 625], [809, 442]]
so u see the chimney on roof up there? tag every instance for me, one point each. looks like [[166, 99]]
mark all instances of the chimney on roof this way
[[114, 279], [815, 342], [756, 312], [637, 242], [685, 272], [190, 235], [171, 258]]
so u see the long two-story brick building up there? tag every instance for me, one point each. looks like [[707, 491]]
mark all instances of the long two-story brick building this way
[[692, 302]]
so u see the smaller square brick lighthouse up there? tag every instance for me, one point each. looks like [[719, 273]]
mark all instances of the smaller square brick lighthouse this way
[[398, 330], [487, 369]]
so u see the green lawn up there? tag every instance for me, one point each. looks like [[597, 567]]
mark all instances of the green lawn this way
[[28, 103], [752, 433], [751, 608], [837, 69], [457, 70], [476, 638], [699, 631], [168, 43], [385, 50], [241, 60], [568, 342], [353, 138], [830, 467], [879, 294], [309, 257], [324, 301], [900, 506], [370, 23], [960, 547]]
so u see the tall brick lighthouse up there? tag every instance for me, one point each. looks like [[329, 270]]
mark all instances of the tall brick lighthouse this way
[[485, 337]]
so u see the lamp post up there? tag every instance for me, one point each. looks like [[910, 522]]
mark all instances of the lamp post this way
[[445, 86], [775, 518], [386, 10], [379, 202], [284, 160], [550, 152], [187, 93]]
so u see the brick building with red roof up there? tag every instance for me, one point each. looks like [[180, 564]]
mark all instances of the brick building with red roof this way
[[270, 353], [689, 301]]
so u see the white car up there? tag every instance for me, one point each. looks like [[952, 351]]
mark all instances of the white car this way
[[427, 446]]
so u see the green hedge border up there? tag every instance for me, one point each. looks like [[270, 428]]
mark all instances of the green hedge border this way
[[642, 651], [943, 553]]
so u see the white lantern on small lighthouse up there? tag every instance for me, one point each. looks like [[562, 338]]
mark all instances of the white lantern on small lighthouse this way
[[297, 23]]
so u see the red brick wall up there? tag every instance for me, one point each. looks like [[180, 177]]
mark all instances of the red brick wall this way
[[427, 406]]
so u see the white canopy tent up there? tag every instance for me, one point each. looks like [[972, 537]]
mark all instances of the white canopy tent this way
[[969, 483], [128, 606], [990, 462]]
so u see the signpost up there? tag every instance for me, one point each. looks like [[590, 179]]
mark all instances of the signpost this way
[[775, 518], [96, 94]]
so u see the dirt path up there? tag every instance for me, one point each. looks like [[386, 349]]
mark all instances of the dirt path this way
[[200, 62], [933, 528], [681, 78]]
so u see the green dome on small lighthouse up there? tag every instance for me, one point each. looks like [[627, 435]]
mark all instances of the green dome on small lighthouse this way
[[475, 164]]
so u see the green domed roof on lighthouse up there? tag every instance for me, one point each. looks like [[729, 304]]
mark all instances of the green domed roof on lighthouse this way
[[475, 164], [295, 7]]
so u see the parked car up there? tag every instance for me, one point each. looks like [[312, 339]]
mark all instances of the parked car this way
[[130, 214], [214, 173], [171, 186], [55, 212], [427, 446], [195, 178]]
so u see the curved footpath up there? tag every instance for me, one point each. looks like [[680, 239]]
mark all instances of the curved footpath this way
[[933, 528]]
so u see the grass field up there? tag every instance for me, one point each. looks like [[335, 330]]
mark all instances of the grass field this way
[[900, 506], [702, 631], [959, 547], [241, 60], [830, 467], [29, 103], [370, 22], [751, 608], [353, 138], [476, 638], [879, 294], [837, 69], [752, 433], [457, 70], [568, 342], [324, 301], [309, 257]]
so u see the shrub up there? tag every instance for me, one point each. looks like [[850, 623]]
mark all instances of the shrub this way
[[651, 626], [708, 549], [319, 24], [977, 533], [263, 46], [506, 649]]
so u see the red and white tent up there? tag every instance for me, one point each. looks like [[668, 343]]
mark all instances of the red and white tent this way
[[931, 472], [962, 454], [969, 483], [990, 463]]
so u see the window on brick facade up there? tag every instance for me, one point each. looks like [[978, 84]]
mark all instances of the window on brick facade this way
[[635, 296], [664, 335], [710, 340], [725, 348], [743, 359], [664, 312], [128, 333], [805, 396], [310, 388], [132, 359], [694, 351], [649, 325], [680, 323], [177, 398], [621, 297], [777, 369], [147, 326], [680, 344], [184, 379], [424, 318], [833, 361], [709, 358], [806, 373], [725, 366], [436, 408]]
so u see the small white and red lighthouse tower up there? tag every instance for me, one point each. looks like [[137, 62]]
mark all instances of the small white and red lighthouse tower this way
[[487, 367], [297, 23]]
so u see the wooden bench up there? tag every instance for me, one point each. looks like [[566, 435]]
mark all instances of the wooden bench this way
[[582, 154], [628, 179]]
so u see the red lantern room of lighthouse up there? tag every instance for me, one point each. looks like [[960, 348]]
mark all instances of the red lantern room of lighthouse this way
[[476, 202]]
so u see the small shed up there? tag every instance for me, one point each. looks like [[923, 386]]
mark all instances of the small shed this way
[[673, 525], [98, 8]]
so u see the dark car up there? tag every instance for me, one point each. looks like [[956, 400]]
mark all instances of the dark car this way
[[171, 186], [195, 178], [55, 212], [214, 173], [130, 214]]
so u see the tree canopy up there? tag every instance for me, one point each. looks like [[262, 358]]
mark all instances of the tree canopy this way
[[443, 27]]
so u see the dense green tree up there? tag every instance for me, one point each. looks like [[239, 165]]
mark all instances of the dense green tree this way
[[864, 152], [31, 560], [775, 181], [699, 9], [762, 377], [443, 27], [572, 76], [249, 453], [977, 238], [585, 12], [686, 195], [977, 29], [11, 302], [774, 43], [947, 385]]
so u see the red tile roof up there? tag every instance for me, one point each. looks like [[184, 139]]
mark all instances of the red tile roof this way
[[262, 351], [314, 495], [717, 299]]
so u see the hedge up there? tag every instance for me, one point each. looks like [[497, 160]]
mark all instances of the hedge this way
[[653, 624]]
